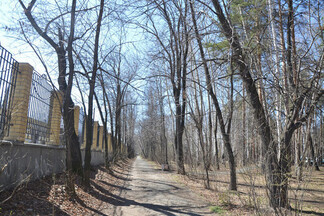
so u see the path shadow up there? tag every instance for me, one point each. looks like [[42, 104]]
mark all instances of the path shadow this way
[[108, 197], [120, 177], [115, 186], [116, 171], [163, 183], [307, 212], [78, 200]]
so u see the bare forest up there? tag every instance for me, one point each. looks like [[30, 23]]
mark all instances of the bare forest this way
[[226, 95]]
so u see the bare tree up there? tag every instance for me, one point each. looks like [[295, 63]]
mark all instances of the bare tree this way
[[92, 82], [277, 171], [63, 52], [225, 132], [175, 48]]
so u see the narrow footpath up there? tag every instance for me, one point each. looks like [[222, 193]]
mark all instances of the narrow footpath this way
[[149, 192]]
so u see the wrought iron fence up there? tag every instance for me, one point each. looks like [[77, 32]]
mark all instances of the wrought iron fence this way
[[8, 77], [39, 110], [81, 129]]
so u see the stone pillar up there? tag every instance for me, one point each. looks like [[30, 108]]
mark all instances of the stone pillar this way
[[101, 140], [56, 115], [95, 135], [20, 102], [76, 119]]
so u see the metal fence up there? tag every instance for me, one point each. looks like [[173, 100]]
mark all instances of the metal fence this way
[[39, 110], [81, 129], [8, 77]]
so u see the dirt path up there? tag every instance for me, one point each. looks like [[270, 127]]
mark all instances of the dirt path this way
[[151, 193]]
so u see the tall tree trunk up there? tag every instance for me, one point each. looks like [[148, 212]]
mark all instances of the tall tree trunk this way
[[178, 135], [164, 141], [283, 58], [113, 140], [216, 145], [118, 121], [92, 82], [258, 111], [243, 127], [311, 145], [198, 119], [210, 135], [298, 156], [225, 135], [72, 146], [73, 153], [309, 140]]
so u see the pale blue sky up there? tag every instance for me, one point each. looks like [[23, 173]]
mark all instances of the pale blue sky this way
[[10, 11], [20, 51]]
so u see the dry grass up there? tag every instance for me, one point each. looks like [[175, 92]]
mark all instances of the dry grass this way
[[306, 197]]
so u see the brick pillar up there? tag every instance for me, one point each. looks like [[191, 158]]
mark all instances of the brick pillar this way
[[76, 119], [101, 140], [56, 115], [95, 135], [17, 131], [110, 150]]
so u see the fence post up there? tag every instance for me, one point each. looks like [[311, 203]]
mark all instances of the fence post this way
[[17, 131], [76, 119], [95, 135], [101, 130], [56, 101]]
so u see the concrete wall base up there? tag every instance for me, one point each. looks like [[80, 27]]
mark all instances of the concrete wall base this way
[[25, 162]]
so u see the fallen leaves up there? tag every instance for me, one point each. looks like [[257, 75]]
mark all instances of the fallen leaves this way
[[47, 196]]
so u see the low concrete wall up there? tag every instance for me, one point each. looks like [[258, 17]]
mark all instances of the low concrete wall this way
[[25, 162], [97, 157]]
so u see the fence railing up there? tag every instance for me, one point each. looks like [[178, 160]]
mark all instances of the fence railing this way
[[36, 108], [8, 76], [39, 110]]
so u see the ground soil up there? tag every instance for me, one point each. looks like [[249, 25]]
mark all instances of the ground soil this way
[[140, 187], [47, 196], [130, 188]]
